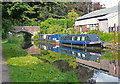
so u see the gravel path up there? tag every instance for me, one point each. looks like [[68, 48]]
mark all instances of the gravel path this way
[[4, 72]]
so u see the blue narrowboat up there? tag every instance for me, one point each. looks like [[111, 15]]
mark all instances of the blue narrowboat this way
[[49, 37], [88, 40]]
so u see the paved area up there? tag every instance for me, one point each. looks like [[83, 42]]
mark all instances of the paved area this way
[[4, 42], [4, 72]]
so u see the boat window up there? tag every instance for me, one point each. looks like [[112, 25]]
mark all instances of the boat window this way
[[75, 38], [78, 38], [65, 51], [73, 53], [63, 38], [76, 54], [70, 52], [83, 38], [60, 38], [67, 38], [79, 54], [83, 55], [70, 37], [55, 38]]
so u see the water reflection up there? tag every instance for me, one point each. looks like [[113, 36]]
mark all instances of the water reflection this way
[[92, 66], [82, 54]]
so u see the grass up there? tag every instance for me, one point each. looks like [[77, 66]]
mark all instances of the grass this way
[[54, 56], [26, 68], [111, 55], [109, 37]]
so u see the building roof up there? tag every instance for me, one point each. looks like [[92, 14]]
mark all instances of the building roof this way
[[98, 13]]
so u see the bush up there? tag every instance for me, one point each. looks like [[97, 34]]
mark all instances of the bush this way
[[13, 40], [52, 23]]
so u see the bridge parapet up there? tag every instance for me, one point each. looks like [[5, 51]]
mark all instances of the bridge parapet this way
[[30, 29]]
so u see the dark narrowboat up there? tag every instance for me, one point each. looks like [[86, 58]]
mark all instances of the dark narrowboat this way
[[86, 40]]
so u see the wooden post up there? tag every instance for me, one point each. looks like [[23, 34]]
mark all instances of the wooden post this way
[[98, 26], [114, 33]]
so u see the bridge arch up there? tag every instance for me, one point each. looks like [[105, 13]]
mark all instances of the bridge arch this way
[[33, 30]]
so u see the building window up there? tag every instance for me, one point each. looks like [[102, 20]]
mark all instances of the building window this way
[[87, 26], [80, 28], [93, 26]]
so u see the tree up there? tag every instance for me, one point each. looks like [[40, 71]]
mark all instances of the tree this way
[[72, 15], [6, 27], [54, 29]]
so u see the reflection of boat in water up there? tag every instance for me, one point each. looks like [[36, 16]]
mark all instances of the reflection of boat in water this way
[[53, 48], [82, 54]]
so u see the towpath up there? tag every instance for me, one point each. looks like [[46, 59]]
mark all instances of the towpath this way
[[4, 72]]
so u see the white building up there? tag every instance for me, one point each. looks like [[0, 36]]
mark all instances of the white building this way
[[103, 19]]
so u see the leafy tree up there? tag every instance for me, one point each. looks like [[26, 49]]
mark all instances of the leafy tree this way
[[6, 27], [54, 29], [72, 15]]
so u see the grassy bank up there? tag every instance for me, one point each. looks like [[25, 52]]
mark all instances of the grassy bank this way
[[109, 37], [25, 68]]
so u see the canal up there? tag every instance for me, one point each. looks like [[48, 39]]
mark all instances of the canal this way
[[85, 65]]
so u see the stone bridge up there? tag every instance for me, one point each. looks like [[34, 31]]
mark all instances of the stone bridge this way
[[33, 30]]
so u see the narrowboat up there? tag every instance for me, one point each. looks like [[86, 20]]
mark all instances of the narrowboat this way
[[86, 40], [54, 38], [91, 40]]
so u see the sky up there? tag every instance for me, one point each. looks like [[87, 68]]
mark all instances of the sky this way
[[108, 3], [102, 77]]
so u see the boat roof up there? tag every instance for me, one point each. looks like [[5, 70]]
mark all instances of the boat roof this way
[[93, 37], [75, 35]]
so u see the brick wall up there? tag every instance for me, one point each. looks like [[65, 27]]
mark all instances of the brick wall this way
[[77, 28], [85, 29], [30, 29]]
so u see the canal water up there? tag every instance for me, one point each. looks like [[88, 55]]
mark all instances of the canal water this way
[[88, 65]]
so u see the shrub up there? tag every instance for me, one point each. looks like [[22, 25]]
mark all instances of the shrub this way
[[13, 40]]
